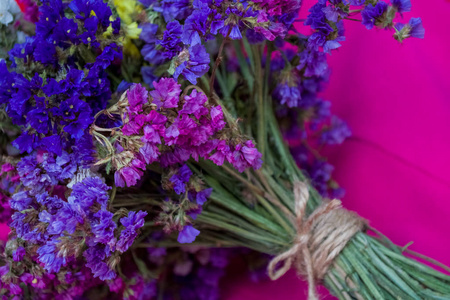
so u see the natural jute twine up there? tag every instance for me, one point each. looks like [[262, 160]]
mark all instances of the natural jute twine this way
[[320, 238]]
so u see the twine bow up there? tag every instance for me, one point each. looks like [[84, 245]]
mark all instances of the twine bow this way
[[320, 238]]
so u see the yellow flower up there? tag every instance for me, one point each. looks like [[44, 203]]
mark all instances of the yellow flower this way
[[132, 31], [126, 8]]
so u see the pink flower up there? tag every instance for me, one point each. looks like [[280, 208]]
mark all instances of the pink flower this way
[[129, 175], [134, 125], [137, 95], [166, 93], [245, 156], [195, 104], [222, 151], [150, 152], [217, 118]]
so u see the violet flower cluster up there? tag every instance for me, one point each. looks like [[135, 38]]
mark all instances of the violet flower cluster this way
[[303, 75], [178, 40], [162, 126]]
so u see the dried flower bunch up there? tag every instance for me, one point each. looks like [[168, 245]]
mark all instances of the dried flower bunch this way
[[134, 128]]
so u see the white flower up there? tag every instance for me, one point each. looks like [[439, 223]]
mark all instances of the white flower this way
[[13, 7], [7, 9]]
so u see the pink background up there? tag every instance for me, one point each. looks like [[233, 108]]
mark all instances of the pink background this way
[[396, 99]]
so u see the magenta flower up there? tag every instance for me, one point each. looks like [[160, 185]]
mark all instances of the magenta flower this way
[[137, 95], [166, 93]]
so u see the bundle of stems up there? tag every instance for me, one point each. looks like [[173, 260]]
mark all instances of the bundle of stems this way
[[256, 209]]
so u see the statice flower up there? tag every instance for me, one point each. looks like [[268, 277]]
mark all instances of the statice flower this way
[[180, 179], [172, 134], [288, 95], [187, 235], [62, 231], [73, 88], [372, 14], [414, 28], [132, 223], [402, 5], [336, 133], [196, 64]]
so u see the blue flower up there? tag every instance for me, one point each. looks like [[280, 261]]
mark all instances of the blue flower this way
[[103, 227], [20, 201], [196, 66], [187, 235], [414, 28], [171, 40], [402, 5], [174, 9], [48, 256], [203, 196], [370, 14], [336, 133], [132, 224], [195, 27], [289, 95], [180, 179]]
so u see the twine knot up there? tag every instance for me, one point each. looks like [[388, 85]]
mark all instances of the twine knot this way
[[320, 238]]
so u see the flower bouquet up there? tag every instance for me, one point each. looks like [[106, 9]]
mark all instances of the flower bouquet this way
[[141, 140]]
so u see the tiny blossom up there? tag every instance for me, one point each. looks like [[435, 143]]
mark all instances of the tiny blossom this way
[[414, 28], [133, 222], [402, 5], [19, 253], [181, 178], [196, 66], [371, 14], [166, 93], [187, 235]]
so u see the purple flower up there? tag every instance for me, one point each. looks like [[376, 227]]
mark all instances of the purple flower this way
[[133, 222], [48, 256], [222, 152], [137, 95], [371, 14], [194, 104], [19, 253], [166, 93], [187, 235], [103, 227], [414, 28], [171, 41], [129, 174], [95, 257], [402, 5], [203, 196], [245, 156], [336, 133], [313, 62], [196, 66], [289, 95], [180, 179]]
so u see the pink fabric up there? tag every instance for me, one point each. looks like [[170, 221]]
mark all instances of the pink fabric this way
[[396, 99]]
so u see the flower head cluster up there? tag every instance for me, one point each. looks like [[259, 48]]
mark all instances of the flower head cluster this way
[[160, 126], [163, 127], [59, 231], [9, 184], [180, 41], [55, 107]]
